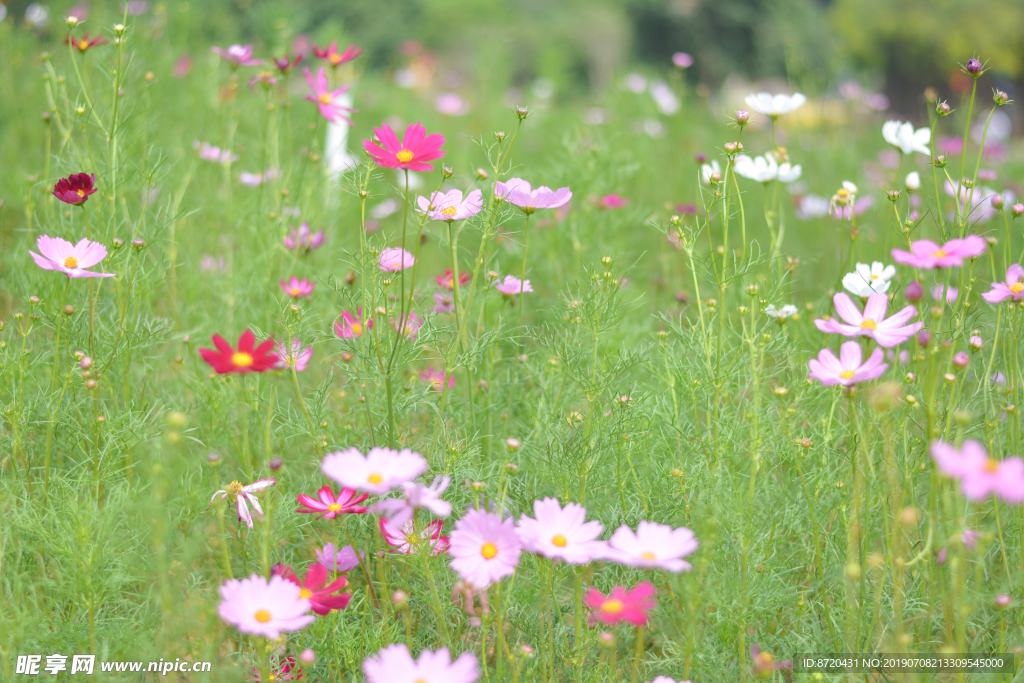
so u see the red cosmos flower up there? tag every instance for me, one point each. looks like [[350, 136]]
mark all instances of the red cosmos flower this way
[[633, 605], [447, 279], [332, 56], [246, 359], [412, 153], [313, 589], [286, 64], [83, 43], [329, 505], [75, 189]]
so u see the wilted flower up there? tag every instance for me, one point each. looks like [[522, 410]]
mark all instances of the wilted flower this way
[[244, 495], [632, 606], [264, 608], [285, 64], [848, 368], [73, 260]]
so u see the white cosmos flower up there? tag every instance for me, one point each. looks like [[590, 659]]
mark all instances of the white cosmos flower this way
[[914, 181], [866, 280], [788, 172], [765, 103], [849, 187], [707, 169], [783, 314], [908, 140], [812, 206], [762, 169]]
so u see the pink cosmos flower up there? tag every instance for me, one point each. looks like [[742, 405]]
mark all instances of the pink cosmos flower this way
[[612, 201], [71, 259], [859, 206], [298, 289], [379, 471], [888, 332], [243, 495], [264, 608], [666, 679], [951, 293], [652, 546], [326, 505], [632, 606], [562, 533], [450, 206], [451, 104], [409, 326], [436, 378], [414, 497], [512, 286], [682, 60], [394, 664], [208, 152], [324, 98], [267, 78], [1013, 288], [765, 664], [412, 153], [322, 598], [447, 279], [443, 303], [293, 355], [332, 56], [285, 64], [517, 191], [394, 259], [847, 369], [969, 538], [484, 547], [303, 240], [927, 254], [403, 537], [349, 326], [238, 55], [980, 476], [338, 560]]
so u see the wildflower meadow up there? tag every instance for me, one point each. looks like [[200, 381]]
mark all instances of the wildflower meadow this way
[[321, 362]]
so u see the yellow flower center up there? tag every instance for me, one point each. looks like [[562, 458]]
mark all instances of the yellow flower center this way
[[81, 193], [296, 291], [335, 59], [326, 98], [412, 539], [939, 254], [405, 156], [235, 488], [1017, 287], [375, 478], [648, 556], [846, 374], [263, 616], [874, 277], [305, 593], [83, 45], [560, 541], [843, 193], [612, 606], [765, 659], [991, 465], [70, 262], [357, 328], [869, 324], [241, 359], [489, 551], [334, 507], [449, 211]]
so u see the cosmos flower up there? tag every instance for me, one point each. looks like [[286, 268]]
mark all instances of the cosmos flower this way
[[561, 533], [84, 43], [298, 289], [682, 60], [436, 378], [484, 547], [248, 357], [707, 169], [264, 608], [812, 206], [887, 332], [451, 104], [73, 260], [847, 369], [409, 326], [980, 476], [379, 471], [450, 206], [927, 255], [332, 56], [518, 192], [612, 201], [324, 98], [632, 606], [394, 664], [327, 505], [293, 355], [285, 64], [303, 239], [765, 664], [774, 106], [855, 208], [266, 78], [951, 293], [447, 279], [416, 496], [76, 188], [411, 153], [338, 560], [652, 546], [512, 286], [244, 495], [444, 302], [866, 280], [1013, 288], [403, 537], [323, 599], [905, 138], [349, 326], [763, 169], [394, 259], [237, 55], [781, 315], [208, 152]]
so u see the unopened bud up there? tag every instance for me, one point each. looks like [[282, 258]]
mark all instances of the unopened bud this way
[[893, 195], [975, 342], [118, 243], [477, 486], [1000, 98], [72, 21], [34, 300], [924, 338], [447, 172], [973, 67], [138, 244], [69, 310], [1017, 210], [513, 443], [963, 417], [961, 360], [481, 174], [730, 148], [119, 29], [996, 201], [307, 657], [742, 117], [522, 113], [1003, 600], [909, 517], [943, 109], [399, 598], [275, 464], [940, 161], [499, 136], [90, 384], [511, 468]]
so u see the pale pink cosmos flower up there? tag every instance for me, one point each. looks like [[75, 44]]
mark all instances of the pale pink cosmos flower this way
[[243, 496], [450, 206], [403, 537], [303, 239], [847, 369], [338, 560], [208, 152], [451, 104], [1013, 288], [237, 55], [652, 546], [517, 191], [443, 303], [71, 259], [324, 98], [928, 255], [666, 679], [409, 326], [298, 289], [394, 259], [969, 538], [250, 179], [352, 326], [951, 293], [512, 285], [377, 472], [264, 608], [980, 476], [887, 332], [561, 533], [416, 496], [394, 664], [292, 355], [436, 378], [484, 547]]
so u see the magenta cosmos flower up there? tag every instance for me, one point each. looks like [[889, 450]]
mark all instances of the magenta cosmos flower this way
[[377, 472], [412, 153], [394, 259], [561, 533], [632, 606], [980, 476], [847, 369], [340, 560], [322, 598], [927, 254], [349, 326], [409, 326], [303, 239], [612, 201], [326, 505], [450, 206], [293, 355], [888, 332], [394, 664], [264, 608], [1013, 288], [512, 285], [436, 378], [238, 55], [244, 495], [484, 547], [71, 259], [324, 98], [403, 537], [416, 496], [333, 57], [298, 289], [652, 546], [517, 191], [76, 188]]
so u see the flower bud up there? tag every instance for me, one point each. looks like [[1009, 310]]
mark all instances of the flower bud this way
[[961, 360], [914, 291], [34, 300], [513, 443], [85, 363], [1017, 210], [477, 486], [499, 136], [962, 417], [943, 109], [716, 177], [742, 117], [399, 598], [924, 338], [138, 244], [90, 384], [69, 310], [511, 468], [730, 148], [72, 21], [975, 342], [522, 113], [996, 201], [973, 67], [1000, 98], [893, 195], [447, 172], [481, 174], [118, 243], [1003, 600], [607, 639], [275, 464], [119, 29], [940, 161]]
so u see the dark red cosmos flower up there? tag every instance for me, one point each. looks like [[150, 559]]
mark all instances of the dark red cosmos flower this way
[[75, 189], [447, 279], [246, 359], [286, 64], [329, 506], [320, 597], [83, 43]]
